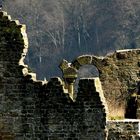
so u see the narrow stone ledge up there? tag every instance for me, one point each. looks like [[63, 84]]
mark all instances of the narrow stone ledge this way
[[125, 50]]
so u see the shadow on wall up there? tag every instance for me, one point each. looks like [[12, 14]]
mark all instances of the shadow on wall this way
[[132, 110]]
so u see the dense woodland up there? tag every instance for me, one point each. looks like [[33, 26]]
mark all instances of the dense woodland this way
[[65, 29]]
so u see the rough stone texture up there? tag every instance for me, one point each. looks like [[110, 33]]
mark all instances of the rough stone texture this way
[[34, 110], [138, 107], [124, 130], [119, 74], [11, 89], [64, 119]]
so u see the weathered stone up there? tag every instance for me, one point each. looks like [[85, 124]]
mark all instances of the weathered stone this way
[[118, 72], [70, 72], [64, 65], [84, 59], [123, 129], [32, 109]]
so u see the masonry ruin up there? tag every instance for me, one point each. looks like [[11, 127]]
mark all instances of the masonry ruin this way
[[33, 109]]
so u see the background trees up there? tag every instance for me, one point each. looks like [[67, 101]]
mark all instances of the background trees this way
[[60, 29]]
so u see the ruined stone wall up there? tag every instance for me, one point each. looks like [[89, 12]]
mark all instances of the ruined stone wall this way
[[119, 74], [119, 77], [64, 119], [31, 109], [11, 89]]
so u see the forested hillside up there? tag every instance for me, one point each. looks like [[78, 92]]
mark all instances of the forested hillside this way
[[60, 29]]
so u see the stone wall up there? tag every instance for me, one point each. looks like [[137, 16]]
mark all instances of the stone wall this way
[[124, 129], [64, 119], [119, 75], [33, 110], [11, 88]]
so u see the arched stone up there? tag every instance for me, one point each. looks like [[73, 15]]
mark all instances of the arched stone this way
[[87, 59]]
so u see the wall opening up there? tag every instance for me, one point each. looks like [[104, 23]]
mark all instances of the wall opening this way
[[132, 103], [131, 107], [86, 71]]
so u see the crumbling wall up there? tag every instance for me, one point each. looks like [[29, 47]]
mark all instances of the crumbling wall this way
[[119, 78], [119, 75], [79, 120], [31, 109], [17, 91], [11, 49]]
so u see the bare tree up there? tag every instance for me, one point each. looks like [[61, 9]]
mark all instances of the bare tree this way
[[68, 28]]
